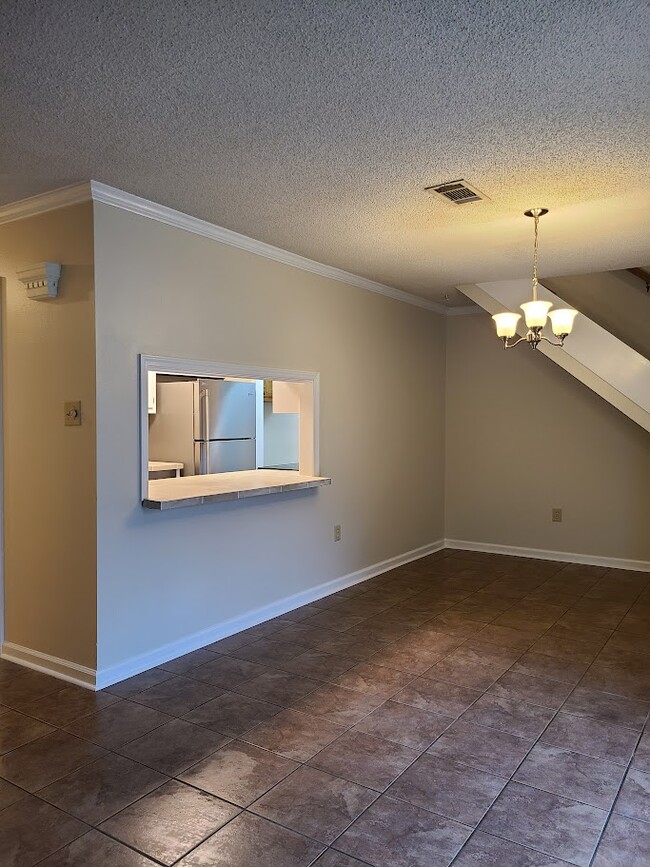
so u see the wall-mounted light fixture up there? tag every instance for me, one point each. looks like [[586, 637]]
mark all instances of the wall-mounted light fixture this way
[[41, 280]]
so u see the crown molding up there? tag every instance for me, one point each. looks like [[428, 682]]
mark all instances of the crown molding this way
[[136, 205], [98, 192], [465, 310], [44, 202]]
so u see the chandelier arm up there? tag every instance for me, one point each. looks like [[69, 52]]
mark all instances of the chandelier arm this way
[[552, 342], [507, 345]]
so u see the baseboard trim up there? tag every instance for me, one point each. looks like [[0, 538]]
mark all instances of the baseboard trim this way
[[136, 665], [80, 675], [71, 672], [541, 554]]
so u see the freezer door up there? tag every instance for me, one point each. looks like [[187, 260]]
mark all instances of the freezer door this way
[[227, 456], [227, 409]]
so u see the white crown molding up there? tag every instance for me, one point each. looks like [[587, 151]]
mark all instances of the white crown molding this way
[[44, 202], [98, 192], [465, 310], [136, 205]]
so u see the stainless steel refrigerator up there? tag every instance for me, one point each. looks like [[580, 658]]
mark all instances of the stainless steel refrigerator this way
[[206, 424]]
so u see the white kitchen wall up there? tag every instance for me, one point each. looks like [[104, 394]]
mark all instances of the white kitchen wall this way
[[281, 430], [163, 291]]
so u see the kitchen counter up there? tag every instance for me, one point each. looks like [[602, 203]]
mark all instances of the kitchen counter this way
[[165, 467], [166, 494]]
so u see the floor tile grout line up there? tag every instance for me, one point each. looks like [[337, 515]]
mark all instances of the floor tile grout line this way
[[305, 764], [92, 828], [510, 778], [618, 792], [425, 752], [248, 808], [528, 753], [615, 812], [185, 854], [96, 826], [243, 811], [516, 843], [411, 631], [609, 812], [348, 729], [331, 848], [349, 825]]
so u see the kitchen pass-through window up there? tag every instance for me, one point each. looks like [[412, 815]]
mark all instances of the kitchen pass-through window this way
[[200, 423]]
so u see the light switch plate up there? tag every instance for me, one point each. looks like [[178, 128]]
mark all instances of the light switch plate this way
[[72, 413]]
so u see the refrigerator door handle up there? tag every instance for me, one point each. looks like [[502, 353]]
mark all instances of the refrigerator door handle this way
[[203, 458], [206, 421], [204, 414]]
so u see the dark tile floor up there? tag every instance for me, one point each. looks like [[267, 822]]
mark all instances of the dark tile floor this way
[[465, 709]]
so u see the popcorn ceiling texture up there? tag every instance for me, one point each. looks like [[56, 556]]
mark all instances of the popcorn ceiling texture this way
[[315, 125]]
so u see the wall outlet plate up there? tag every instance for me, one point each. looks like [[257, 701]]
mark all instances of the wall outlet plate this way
[[556, 516], [337, 532]]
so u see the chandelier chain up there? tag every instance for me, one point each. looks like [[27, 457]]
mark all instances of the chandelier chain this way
[[536, 217]]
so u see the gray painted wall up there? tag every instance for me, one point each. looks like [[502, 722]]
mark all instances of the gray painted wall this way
[[523, 436], [164, 291]]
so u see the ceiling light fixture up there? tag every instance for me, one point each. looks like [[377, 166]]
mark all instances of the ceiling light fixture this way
[[535, 312]]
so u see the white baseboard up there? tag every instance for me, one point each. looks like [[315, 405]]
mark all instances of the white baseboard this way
[[540, 554], [61, 668], [138, 664], [91, 679]]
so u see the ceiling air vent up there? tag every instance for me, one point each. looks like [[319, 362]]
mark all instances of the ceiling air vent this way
[[458, 192]]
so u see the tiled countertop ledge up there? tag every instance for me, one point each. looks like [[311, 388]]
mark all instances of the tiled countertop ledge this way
[[166, 494]]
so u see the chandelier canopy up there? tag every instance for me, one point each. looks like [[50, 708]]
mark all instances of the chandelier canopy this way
[[536, 312]]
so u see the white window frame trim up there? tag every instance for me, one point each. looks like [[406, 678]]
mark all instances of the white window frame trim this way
[[193, 367]]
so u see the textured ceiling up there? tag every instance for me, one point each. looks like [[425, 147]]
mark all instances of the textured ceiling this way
[[314, 126]]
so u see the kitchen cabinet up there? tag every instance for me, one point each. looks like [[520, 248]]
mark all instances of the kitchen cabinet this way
[[151, 393]]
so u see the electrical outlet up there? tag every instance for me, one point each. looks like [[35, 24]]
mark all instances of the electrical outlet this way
[[556, 516], [337, 532]]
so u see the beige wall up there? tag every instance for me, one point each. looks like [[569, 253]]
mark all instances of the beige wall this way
[[164, 291], [48, 355], [523, 436]]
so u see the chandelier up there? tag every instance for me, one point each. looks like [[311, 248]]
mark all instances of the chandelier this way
[[535, 312]]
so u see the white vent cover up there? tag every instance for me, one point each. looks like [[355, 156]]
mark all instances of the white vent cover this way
[[459, 192]]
